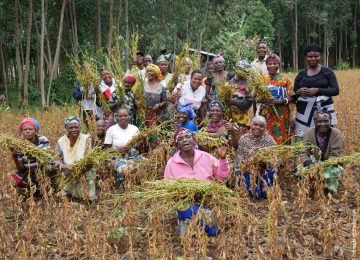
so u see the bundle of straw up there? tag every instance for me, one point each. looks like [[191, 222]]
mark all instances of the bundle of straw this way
[[87, 72], [25, 147], [175, 194], [181, 60], [93, 159], [206, 139]]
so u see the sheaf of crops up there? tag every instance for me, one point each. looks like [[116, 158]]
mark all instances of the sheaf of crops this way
[[296, 221]]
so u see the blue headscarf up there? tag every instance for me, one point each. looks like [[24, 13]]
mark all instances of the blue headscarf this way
[[243, 65], [187, 109]]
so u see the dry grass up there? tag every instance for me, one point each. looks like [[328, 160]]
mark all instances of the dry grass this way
[[296, 221]]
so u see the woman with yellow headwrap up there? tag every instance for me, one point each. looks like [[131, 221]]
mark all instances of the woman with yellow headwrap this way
[[154, 93]]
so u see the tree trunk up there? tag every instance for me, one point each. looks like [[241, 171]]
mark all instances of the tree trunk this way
[[41, 68], [118, 18], [98, 26], [325, 47], [111, 24], [3, 70], [73, 23], [296, 56], [354, 35], [19, 63], [53, 71], [27, 56], [127, 33]]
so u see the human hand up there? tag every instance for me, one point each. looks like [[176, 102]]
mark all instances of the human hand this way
[[157, 106], [310, 92], [221, 152], [124, 150], [229, 127]]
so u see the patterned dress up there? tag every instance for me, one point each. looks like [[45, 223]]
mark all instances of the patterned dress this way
[[279, 124]]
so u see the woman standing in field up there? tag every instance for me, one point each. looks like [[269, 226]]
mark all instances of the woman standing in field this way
[[26, 167], [314, 86], [276, 111]]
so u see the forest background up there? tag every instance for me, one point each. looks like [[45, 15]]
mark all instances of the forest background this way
[[39, 38]]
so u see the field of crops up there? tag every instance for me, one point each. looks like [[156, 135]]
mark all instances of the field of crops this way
[[296, 221]]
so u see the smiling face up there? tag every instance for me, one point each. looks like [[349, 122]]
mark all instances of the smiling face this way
[[151, 74], [127, 85], [73, 130], [185, 142], [219, 65], [272, 67], [215, 114], [261, 49], [322, 124], [105, 76], [183, 117], [123, 118], [195, 80], [313, 58], [100, 127], [257, 129], [28, 131], [210, 69]]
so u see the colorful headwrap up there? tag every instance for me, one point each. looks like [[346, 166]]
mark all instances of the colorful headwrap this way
[[181, 132], [161, 59], [312, 47], [187, 109], [259, 119], [72, 119], [216, 103], [29, 121], [130, 78], [273, 57], [157, 71], [321, 112], [219, 57], [243, 65]]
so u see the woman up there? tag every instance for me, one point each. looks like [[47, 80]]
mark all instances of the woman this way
[[249, 144], [277, 111], [26, 166], [209, 81], [163, 64], [218, 125], [129, 102], [71, 148], [241, 101], [154, 93], [190, 163], [314, 85], [329, 145], [185, 117]]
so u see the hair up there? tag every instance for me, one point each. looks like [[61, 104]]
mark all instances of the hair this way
[[260, 42], [120, 109], [100, 121], [312, 47], [196, 72]]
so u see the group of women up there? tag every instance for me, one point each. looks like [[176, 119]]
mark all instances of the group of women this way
[[243, 120]]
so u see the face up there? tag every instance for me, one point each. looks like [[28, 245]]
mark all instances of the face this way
[[261, 49], [211, 69], [186, 142], [105, 76], [128, 85], [322, 124], [151, 74], [195, 80], [123, 118], [257, 129], [139, 59], [100, 128], [147, 60], [164, 66], [219, 65], [28, 131], [183, 117], [73, 130], [313, 58], [188, 67], [215, 113], [272, 66]]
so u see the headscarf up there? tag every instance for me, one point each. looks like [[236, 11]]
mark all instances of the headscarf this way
[[273, 57], [219, 57], [157, 71], [243, 65], [181, 132], [321, 112], [162, 58], [259, 119], [130, 78], [312, 47], [216, 103], [29, 121], [187, 109], [72, 119]]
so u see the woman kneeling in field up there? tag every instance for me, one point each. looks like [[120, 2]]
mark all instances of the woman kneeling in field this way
[[190, 163], [27, 167], [71, 148]]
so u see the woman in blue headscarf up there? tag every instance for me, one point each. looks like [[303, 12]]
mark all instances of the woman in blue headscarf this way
[[186, 116]]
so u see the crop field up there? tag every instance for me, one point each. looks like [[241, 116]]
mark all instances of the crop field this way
[[296, 221]]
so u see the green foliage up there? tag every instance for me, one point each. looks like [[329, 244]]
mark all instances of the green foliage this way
[[343, 66]]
